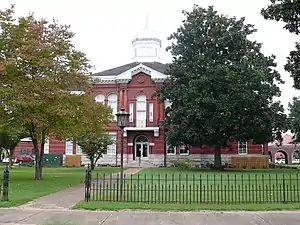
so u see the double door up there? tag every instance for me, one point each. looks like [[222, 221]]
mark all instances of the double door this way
[[142, 150]]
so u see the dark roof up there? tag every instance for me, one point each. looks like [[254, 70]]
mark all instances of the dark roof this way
[[160, 67]]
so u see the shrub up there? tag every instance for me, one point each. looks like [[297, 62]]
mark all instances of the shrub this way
[[183, 164]]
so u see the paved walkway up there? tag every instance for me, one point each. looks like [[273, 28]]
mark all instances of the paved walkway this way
[[79, 217], [67, 198]]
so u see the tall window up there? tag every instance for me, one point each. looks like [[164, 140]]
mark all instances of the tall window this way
[[113, 103], [183, 150], [69, 147], [171, 150], [100, 98], [242, 148], [151, 111], [111, 149], [141, 105], [78, 150], [47, 146], [131, 112]]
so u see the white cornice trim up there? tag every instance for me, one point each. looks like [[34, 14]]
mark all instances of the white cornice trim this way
[[126, 76]]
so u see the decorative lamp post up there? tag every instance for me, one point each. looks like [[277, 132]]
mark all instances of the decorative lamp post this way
[[122, 122]]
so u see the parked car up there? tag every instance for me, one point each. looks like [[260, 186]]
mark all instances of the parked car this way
[[24, 159]]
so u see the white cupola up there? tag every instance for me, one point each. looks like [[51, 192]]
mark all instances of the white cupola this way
[[146, 46]]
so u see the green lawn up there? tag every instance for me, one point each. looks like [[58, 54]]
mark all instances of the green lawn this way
[[22, 187], [174, 189], [116, 206]]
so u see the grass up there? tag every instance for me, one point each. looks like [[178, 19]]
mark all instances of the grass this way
[[119, 206], [172, 189], [22, 187]]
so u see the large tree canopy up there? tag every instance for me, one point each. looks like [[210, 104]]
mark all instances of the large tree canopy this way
[[221, 86], [288, 12], [40, 66], [294, 118]]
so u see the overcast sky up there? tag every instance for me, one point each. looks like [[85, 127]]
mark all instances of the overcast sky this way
[[104, 29]]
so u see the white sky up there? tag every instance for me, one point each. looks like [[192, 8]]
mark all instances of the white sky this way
[[104, 28]]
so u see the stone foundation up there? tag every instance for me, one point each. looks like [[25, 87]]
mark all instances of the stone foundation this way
[[156, 160]]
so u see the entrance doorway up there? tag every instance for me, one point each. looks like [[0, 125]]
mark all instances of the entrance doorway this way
[[141, 147]]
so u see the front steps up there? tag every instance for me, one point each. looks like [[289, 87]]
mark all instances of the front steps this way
[[139, 164]]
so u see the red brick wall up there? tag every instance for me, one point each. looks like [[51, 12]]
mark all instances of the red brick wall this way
[[140, 84], [55, 147]]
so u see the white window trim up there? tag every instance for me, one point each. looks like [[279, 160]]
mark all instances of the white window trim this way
[[151, 111], [66, 147], [180, 147], [115, 144], [167, 146], [239, 148], [113, 102], [77, 148], [47, 146], [102, 98], [131, 109]]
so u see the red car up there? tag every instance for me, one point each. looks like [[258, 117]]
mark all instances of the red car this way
[[24, 159]]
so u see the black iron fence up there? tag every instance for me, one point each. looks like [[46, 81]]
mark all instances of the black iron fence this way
[[193, 188], [4, 187]]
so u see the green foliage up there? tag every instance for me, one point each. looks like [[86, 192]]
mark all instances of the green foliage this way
[[182, 164], [221, 86], [288, 12], [9, 139], [94, 145], [40, 66], [294, 118]]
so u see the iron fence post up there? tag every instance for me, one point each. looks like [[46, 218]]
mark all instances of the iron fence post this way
[[88, 183], [283, 184], [5, 184]]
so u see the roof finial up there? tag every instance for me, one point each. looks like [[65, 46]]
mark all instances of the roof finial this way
[[146, 21]]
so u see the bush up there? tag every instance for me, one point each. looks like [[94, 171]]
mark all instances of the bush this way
[[183, 164]]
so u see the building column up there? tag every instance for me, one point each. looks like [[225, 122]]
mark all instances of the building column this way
[[161, 112], [126, 100], [120, 102], [156, 110]]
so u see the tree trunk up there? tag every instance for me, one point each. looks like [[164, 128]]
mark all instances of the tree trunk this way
[[217, 157], [93, 163], [165, 153], [10, 161], [38, 153], [9, 155]]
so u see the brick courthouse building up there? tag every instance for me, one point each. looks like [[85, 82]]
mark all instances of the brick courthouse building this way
[[131, 86]]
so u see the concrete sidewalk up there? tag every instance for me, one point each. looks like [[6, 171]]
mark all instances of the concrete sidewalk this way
[[79, 217], [67, 198]]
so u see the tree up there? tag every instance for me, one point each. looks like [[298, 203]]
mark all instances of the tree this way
[[288, 12], [40, 67], [94, 146], [294, 118], [91, 133], [9, 139], [221, 87]]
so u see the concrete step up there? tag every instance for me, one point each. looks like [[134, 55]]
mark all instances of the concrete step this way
[[142, 164]]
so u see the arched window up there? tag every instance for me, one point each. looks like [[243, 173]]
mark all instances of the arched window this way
[[113, 103], [141, 138], [100, 98], [141, 115]]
